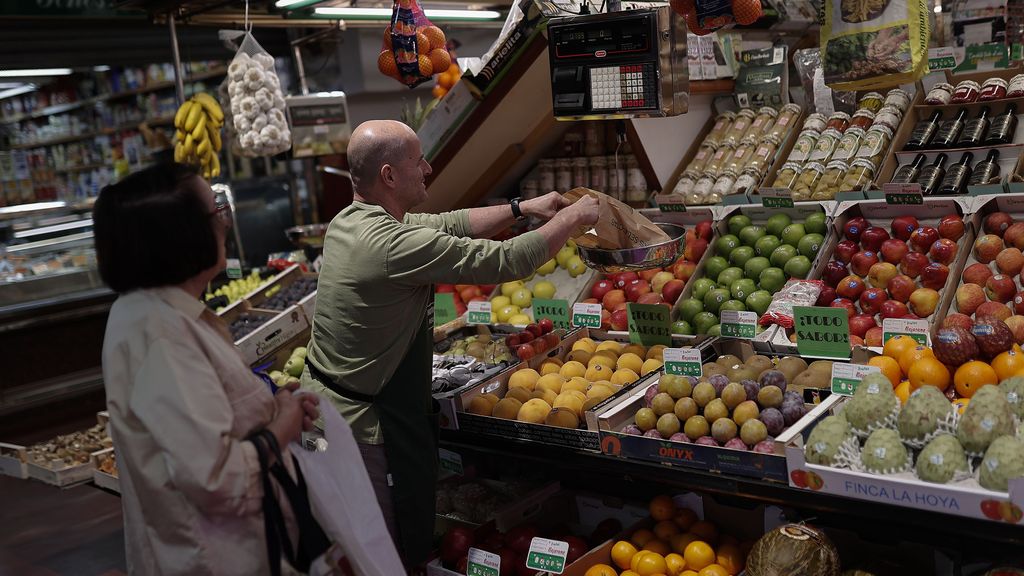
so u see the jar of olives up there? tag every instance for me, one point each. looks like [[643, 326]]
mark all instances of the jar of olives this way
[[747, 180], [872, 101], [787, 117], [723, 186], [786, 177], [826, 145], [848, 144], [717, 162], [684, 186], [704, 153], [828, 185], [703, 186], [807, 181], [803, 146], [874, 144], [763, 154], [764, 120], [861, 172], [815, 122]]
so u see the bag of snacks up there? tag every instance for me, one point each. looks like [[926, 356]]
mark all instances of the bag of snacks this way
[[413, 49], [258, 115], [870, 44], [795, 293]]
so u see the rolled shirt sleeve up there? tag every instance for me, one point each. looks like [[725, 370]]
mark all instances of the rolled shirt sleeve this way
[[455, 222]]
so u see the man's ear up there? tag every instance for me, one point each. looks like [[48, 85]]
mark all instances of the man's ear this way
[[387, 175]]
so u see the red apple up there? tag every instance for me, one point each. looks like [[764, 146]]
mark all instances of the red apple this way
[[695, 249], [863, 261], [923, 302], [923, 238], [881, 273], [958, 320], [855, 341], [997, 223], [913, 263], [624, 278], [850, 287], [845, 250], [893, 309], [943, 250], [705, 230], [855, 227], [672, 289], [968, 298], [612, 299], [871, 300], [1010, 261], [650, 298], [873, 337], [834, 272], [826, 296], [620, 319], [546, 325], [1016, 325], [600, 288], [649, 273], [1014, 235], [951, 227], [525, 352], [851, 309], [997, 309], [684, 269], [535, 329], [977, 273], [903, 226], [893, 250], [861, 323], [901, 287], [659, 280], [987, 248], [934, 276], [1018, 303], [606, 319], [873, 237], [1000, 288], [636, 288], [445, 288]]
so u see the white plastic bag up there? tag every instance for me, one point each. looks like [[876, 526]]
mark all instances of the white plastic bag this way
[[343, 501], [258, 114]]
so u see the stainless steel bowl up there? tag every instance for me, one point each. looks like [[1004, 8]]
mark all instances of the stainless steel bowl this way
[[622, 260]]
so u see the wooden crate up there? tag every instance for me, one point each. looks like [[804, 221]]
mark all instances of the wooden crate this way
[[13, 460]]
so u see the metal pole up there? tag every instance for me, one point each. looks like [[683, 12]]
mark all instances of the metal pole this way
[[179, 81], [301, 69]]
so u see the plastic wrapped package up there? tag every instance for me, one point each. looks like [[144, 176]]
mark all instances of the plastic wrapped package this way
[[413, 49], [258, 113], [808, 65], [794, 293]]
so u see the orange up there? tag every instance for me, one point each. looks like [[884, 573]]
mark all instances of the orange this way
[[676, 564], [903, 391], [889, 367], [600, 570], [681, 541], [1007, 364], [423, 44], [730, 558], [929, 371], [698, 555], [426, 68], [910, 356], [973, 375], [897, 345], [622, 553], [445, 79], [665, 530], [436, 36], [386, 64], [440, 59], [662, 508], [387, 37], [438, 92], [636, 559], [659, 547], [705, 531], [642, 537], [961, 404], [651, 564], [713, 570], [685, 518]]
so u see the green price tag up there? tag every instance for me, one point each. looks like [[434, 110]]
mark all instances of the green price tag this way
[[450, 461], [682, 362], [444, 308], [547, 555], [736, 324], [941, 59], [649, 324], [483, 563], [234, 268], [916, 329], [776, 197], [902, 194], [556, 310], [479, 313], [822, 332], [586, 315], [846, 377], [670, 202]]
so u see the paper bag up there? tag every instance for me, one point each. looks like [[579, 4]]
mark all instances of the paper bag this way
[[618, 225]]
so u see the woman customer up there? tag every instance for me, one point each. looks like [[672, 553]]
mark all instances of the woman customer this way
[[181, 400]]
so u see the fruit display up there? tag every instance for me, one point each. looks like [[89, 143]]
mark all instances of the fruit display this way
[[898, 268], [246, 323], [465, 293], [484, 347], [197, 138], [563, 277], [751, 263], [652, 286], [535, 339], [281, 297], [69, 449], [292, 369], [234, 290]]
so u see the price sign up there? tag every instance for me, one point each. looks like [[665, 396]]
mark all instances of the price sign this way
[[450, 461], [479, 313], [556, 310], [444, 308], [822, 332], [846, 377], [234, 268], [776, 197], [902, 194], [682, 362], [916, 329], [649, 324], [941, 59], [547, 555], [483, 563], [670, 202], [736, 324], [586, 315]]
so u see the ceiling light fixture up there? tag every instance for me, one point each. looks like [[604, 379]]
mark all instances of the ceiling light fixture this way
[[103, 68], [35, 72], [293, 4], [384, 13], [17, 91]]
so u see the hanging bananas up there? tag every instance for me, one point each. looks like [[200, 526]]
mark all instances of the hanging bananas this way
[[197, 126]]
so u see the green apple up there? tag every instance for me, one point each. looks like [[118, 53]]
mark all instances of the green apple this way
[[798, 267], [815, 223], [294, 366], [547, 267], [544, 289], [766, 245], [509, 287], [299, 352], [689, 308], [728, 276], [793, 233], [499, 302], [751, 234], [742, 288], [776, 223], [738, 222], [726, 244], [713, 299], [735, 305], [503, 314], [563, 255], [782, 254], [715, 330], [714, 266], [753, 267], [759, 301], [703, 322], [740, 255], [772, 279], [682, 327], [701, 287], [522, 298], [575, 266], [810, 244]]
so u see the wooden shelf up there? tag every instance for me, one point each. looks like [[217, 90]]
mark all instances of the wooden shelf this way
[[723, 86], [159, 121], [84, 168]]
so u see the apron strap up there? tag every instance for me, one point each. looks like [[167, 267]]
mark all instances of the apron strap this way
[[333, 387]]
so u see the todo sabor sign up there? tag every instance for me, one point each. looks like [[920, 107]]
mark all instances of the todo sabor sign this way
[[649, 324], [555, 310], [822, 332]]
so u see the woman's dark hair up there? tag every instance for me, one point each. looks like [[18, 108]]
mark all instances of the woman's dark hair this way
[[153, 229]]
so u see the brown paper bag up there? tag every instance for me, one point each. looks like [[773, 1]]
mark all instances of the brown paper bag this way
[[618, 225]]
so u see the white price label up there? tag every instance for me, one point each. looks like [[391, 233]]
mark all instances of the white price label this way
[[547, 555], [902, 194], [479, 313], [916, 329], [738, 324], [846, 377], [776, 197], [234, 268], [682, 361], [586, 315], [483, 563]]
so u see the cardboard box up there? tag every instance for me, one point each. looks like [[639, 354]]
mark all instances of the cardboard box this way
[[446, 118], [965, 498], [510, 47]]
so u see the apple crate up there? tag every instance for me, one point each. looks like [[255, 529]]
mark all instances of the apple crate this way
[[881, 214], [13, 460], [259, 297], [276, 332], [960, 498]]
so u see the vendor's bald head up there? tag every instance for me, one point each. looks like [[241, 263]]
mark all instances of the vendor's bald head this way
[[379, 150]]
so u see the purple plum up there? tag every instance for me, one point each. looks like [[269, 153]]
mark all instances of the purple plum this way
[[751, 388], [632, 430], [649, 395], [719, 382], [706, 441], [773, 421], [773, 378], [765, 446], [653, 433], [793, 411], [680, 437], [736, 444]]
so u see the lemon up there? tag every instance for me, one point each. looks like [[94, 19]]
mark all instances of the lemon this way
[[547, 267], [509, 287], [544, 289], [499, 302]]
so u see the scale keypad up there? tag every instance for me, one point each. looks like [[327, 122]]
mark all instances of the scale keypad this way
[[623, 87]]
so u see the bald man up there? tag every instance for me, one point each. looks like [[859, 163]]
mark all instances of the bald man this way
[[371, 343]]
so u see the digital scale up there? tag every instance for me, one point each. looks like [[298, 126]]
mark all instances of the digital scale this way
[[619, 65]]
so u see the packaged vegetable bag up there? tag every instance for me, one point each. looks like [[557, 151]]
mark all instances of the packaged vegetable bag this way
[[874, 44], [258, 117], [413, 48]]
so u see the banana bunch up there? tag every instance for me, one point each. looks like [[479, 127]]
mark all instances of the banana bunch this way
[[197, 126]]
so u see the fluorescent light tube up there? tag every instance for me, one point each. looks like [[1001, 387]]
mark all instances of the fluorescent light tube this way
[[35, 72], [293, 4], [17, 91]]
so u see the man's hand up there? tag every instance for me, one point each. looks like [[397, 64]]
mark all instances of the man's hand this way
[[544, 207], [585, 210]]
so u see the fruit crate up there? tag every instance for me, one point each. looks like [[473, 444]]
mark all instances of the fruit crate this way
[[568, 288], [13, 460], [101, 478], [260, 298], [613, 417], [963, 498], [65, 476], [881, 214], [278, 329]]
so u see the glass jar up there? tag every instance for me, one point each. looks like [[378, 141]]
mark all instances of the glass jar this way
[[528, 189], [593, 139], [721, 127], [740, 125], [599, 174], [723, 185], [616, 178], [815, 122], [703, 186], [580, 172], [828, 186], [693, 199], [563, 175], [786, 177], [1016, 87], [749, 179], [807, 181], [704, 153], [862, 119], [825, 145], [546, 173], [939, 95], [993, 89], [717, 162], [787, 117], [898, 98], [872, 102], [740, 158], [839, 121], [763, 154], [965, 92], [861, 173], [890, 117], [848, 144], [874, 145], [636, 184], [764, 120], [803, 146], [684, 186]]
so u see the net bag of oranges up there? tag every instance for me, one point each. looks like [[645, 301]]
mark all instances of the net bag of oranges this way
[[414, 49]]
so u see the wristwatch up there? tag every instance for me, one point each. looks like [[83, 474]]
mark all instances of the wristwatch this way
[[516, 211]]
